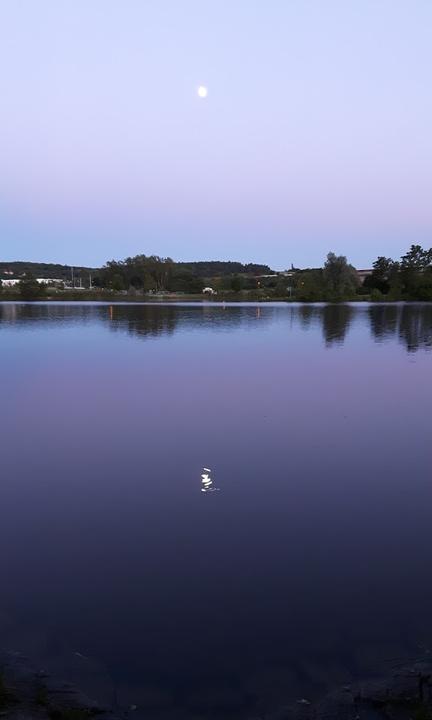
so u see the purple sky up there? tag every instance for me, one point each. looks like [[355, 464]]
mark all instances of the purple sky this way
[[315, 136]]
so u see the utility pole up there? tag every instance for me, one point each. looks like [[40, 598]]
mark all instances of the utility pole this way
[[90, 281], [72, 275]]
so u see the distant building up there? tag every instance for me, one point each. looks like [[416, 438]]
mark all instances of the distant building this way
[[363, 274], [50, 281], [10, 282]]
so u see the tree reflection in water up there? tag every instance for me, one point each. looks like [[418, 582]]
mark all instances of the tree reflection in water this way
[[411, 323], [336, 320]]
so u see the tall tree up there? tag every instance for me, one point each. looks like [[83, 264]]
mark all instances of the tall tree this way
[[340, 278], [416, 273], [416, 258], [384, 270]]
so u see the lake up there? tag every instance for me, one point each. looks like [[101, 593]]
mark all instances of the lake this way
[[309, 565]]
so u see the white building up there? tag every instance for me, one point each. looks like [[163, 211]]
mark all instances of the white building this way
[[50, 281], [10, 282]]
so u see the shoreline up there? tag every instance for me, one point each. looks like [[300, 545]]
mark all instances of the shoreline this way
[[404, 693], [194, 300], [28, 692]]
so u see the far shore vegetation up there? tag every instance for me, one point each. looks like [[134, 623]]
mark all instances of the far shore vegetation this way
[[151, 277]]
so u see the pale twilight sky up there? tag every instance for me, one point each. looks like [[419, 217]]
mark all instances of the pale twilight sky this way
[[315, 136]]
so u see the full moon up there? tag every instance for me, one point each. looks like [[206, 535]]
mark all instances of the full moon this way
[[202, 91]]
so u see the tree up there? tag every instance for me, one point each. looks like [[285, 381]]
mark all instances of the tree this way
[[117, 282], [216, 269], [283, 286], [384, 270], [416, 258], [140, 272], [416, 273], [237, 283], [30, 289], [340, 279], [185, 281], [309, 285]]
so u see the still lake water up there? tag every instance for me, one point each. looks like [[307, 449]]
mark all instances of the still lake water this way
[[311, 564]]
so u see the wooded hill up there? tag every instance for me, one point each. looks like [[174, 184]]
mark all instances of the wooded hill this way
[[43, 270], [216, 268], [201, 269]]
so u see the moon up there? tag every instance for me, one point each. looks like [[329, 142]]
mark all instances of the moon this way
[[202, 92]]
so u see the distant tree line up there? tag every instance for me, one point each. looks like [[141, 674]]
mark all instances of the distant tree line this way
[[216, 268], [134, 275], [407, 279], [151, 273]]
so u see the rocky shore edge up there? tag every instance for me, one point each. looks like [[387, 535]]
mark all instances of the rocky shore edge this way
[[405, 693], [29, 693]]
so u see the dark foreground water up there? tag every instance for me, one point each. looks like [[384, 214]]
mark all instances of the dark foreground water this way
[[310, 565]]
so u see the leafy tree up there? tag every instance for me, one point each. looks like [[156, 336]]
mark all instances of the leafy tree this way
[[30, 289], [140, 272], [376, 295], [340, 278], [147, 282], [309, 285], [416, 258], [411, 279], [237, 283], [136, 281], [117, 282], [282, 286], [184, 281], [416, 273], [383, 270]]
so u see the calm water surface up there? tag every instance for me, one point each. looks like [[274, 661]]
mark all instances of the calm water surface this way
[[311, 564]]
